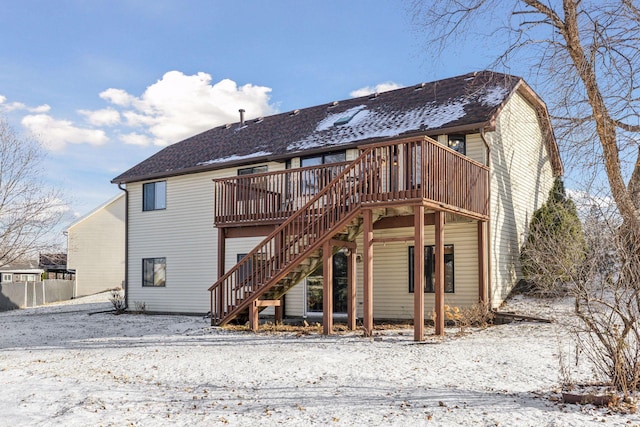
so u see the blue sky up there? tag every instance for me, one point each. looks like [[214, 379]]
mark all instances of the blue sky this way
[[105, 84]]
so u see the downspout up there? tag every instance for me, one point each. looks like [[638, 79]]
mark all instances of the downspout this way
[[488, 162], [126, 245]]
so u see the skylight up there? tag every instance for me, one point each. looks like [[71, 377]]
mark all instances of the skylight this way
[[345, 119]]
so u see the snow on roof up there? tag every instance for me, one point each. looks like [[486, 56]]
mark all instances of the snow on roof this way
[[235, 157], [370, 124]]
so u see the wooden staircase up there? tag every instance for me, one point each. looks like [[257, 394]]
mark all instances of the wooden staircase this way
[[293, 250]]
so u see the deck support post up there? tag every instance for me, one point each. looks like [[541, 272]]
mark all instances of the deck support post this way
[[351, 290], [327, 289], [439, 273], [220, 297], [482, 262], [418, 274], [221, 251], [254, 317], [367, 277], [278, 314]]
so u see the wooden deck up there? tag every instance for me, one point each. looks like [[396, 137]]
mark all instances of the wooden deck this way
[[392, 173]]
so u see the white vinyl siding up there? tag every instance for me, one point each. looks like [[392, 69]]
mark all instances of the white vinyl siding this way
[[391, 297], [95, 249], [184, 234], [242, 245], [521, 177], [476, 148]]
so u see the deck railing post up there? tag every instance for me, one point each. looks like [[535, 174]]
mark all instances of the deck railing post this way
[[418, 273]]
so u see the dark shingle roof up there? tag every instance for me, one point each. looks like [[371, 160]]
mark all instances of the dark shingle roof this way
[[463, 102]]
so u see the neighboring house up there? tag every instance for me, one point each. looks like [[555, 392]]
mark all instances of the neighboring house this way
[[96, 248], [21, 271], [55, 266], [358, 178]]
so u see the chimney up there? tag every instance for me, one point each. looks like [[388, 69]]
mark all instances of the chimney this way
[[241, 117]]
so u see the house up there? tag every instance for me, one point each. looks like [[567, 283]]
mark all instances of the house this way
[[344, 209], [21, 271], [55, 266], [96, 248]]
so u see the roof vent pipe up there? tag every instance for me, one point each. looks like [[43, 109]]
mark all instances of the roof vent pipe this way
[[241, 117]]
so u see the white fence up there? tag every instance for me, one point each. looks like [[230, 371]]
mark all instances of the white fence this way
[[30, 294]]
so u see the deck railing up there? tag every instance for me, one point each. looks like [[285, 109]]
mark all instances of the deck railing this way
[[271, 196], [404, 171]]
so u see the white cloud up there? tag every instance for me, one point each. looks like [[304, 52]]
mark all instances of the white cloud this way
[[380, 87], [55, 134], [104, 117], [173, 108], [134, 138], [12, 106], [178, 105], [16, 106], [44, 108], [117, 97]]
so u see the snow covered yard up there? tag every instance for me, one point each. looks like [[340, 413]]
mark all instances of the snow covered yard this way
[[61, 366]]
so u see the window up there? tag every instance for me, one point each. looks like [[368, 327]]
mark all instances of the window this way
[[7, 277], [430, 269], [313, 180], [154, 196], [154, 271], [458, 143], [251, 170]]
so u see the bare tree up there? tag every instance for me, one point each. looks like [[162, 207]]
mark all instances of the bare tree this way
[[29, 210], [584, 58]]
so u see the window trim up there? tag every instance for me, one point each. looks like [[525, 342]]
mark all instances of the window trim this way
[[429, 255], [153, 205], [158, 260], [7, 277]]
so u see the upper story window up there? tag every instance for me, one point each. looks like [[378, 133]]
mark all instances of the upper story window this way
[[154, 196], [252, 170], [7, 277], [458, 143], [321, 159], [314, 180]]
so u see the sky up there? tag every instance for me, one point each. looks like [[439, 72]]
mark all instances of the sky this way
[[102, 85]]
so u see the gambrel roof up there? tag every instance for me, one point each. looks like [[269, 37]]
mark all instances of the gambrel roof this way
[[459, 104]]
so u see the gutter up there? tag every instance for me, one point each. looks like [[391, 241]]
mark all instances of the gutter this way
[[486, 144], [126, 246]]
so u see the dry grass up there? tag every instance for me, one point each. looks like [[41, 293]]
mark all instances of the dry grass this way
[[306, 328]]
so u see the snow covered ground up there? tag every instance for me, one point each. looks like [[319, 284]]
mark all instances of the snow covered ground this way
[[61, 365]]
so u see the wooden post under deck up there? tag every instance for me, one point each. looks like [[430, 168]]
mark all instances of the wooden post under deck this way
[[221, 251], [418, 274], [367, 277], [327, 289], [439, 285], [351, 290], [222, 235], [254, 317], [482, 262], [278, 314]]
